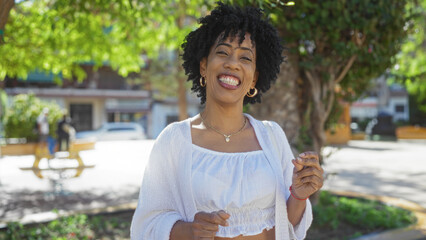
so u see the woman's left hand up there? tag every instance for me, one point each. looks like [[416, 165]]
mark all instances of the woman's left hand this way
[[307, 175]]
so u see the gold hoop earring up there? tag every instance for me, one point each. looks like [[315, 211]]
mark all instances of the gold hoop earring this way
[[202, 81], [249, 94]]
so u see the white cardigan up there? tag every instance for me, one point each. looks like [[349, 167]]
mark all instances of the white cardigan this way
[[166, 193]]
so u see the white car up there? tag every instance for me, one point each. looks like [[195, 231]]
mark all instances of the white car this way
[[115, 131]]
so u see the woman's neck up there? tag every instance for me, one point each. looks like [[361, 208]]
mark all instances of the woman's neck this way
[[225, 119]]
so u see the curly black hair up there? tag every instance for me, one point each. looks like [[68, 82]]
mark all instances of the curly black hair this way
[[233, 21]]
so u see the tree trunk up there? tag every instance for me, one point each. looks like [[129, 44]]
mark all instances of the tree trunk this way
[[183, 112], [5, 7], [317, 132], [322, 93], [182, 102], [318, 120], [280, 102]]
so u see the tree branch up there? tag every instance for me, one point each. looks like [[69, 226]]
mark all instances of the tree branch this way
[[315, 91], [329, 106], [357, 39], [345, 69], [329, 85], [314, 85], [5, 7]]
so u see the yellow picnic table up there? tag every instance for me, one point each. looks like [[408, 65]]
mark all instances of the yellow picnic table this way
[[42, 153]]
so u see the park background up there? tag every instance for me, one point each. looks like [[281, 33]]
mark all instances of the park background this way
[[347, 64]]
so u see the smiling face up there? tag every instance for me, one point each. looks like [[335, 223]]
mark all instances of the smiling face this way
[[229, 70]]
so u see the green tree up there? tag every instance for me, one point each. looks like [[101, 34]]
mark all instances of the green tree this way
[[336, 47], [342, 44], [410, 68], [21, 118], [57, 36]]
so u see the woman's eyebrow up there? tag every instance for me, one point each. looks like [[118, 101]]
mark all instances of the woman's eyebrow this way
[[246, 48], [229, 45], [224, 44]]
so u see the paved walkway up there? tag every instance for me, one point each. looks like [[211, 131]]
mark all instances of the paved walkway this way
[[114, 180], [394, 169]]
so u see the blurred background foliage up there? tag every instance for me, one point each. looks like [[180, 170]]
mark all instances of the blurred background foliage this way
[[338, 47], [20, 120], [410, 67], [56, 35]]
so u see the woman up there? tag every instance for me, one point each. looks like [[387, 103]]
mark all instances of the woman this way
[[223, 174]]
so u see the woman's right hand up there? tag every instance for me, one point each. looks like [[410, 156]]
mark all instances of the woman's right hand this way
[[206, 225]]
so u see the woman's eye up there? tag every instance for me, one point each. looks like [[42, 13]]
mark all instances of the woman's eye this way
[[222, 53], [246, 58]]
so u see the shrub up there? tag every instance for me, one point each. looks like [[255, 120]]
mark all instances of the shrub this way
[[365, 214], [20, 119], [76, 227]]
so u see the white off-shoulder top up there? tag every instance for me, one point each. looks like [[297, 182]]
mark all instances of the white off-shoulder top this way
[[167, 194], [243, 184]]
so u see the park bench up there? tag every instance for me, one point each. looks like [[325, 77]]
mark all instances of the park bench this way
[[41, 154]]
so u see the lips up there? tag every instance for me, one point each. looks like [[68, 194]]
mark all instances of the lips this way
[[229, 81]]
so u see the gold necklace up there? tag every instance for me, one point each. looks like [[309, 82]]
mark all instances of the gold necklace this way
[[227, 137]]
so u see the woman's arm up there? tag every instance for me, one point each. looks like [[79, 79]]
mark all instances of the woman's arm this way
[[295, 210], [299, 214], [205, 226], [306, 180], [180, 231]]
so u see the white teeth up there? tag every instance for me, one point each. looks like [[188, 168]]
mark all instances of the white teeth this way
[[229, 80]]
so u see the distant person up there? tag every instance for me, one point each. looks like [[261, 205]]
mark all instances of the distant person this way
[[43, 127], [63, 132], [71, 132]]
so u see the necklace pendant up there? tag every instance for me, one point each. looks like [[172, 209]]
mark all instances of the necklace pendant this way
[[227, 137]]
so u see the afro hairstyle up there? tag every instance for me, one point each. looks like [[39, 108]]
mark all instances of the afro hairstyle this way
[[233, 21]]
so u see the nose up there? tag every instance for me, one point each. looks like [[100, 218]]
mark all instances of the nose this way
[[231, 63]]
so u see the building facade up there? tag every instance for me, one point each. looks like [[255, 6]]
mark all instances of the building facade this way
[[104, 96], [382, 99]]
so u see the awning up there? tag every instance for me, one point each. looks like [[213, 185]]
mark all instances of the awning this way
[[39, 77]]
